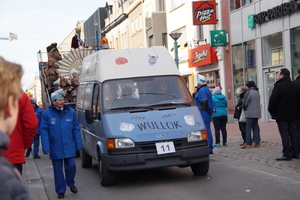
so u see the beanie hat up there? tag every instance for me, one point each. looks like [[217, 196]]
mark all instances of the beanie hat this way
[[216, 89], [32, 100], [201, 80], [57, 94], [250, 84]]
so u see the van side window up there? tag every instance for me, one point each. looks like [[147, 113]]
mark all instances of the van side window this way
[[96, 105], [87, 97], [80, 96]]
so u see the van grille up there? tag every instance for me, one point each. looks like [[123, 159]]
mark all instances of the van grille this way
[[150, 147]]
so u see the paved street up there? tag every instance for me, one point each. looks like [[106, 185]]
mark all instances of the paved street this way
[[261, 159]]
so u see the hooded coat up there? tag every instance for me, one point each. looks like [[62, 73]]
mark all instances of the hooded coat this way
[[221, 104], [60, 132], [24, 132]]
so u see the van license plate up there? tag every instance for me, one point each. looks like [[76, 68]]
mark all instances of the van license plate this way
[[165, 147]]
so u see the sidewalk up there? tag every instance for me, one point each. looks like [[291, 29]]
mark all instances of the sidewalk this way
[[268, 131]]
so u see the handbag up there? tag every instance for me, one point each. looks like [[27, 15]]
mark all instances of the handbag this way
[[242, 117]]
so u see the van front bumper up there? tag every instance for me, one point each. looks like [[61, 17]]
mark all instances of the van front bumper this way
[[182, 157]]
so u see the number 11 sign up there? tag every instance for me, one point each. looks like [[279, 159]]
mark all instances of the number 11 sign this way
[[165, 147]]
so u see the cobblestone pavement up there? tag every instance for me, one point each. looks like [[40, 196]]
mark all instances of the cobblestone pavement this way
[[263, 155]]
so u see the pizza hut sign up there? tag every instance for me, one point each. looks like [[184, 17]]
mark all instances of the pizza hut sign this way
[[204, 12]]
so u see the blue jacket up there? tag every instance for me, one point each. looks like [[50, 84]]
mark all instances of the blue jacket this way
[[205, 93], [221, 104], [38, 111], [60, 132]]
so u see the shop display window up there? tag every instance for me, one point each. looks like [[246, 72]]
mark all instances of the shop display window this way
[[295, 50]]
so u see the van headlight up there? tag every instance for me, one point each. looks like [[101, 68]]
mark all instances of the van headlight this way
[[119, 143], [194, 136]]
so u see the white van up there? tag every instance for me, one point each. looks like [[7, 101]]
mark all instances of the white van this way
[[136, 112]]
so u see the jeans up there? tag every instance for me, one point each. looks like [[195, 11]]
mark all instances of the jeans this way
[[297, 124], [289, 137], [252, 124], [220, 125]]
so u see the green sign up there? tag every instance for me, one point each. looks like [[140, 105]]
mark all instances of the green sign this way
[[251, 23], [218, 38]]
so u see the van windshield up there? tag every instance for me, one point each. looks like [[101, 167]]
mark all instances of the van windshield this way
[[145, 92]]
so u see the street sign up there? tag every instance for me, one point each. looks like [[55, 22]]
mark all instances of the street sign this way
[[218, 38]]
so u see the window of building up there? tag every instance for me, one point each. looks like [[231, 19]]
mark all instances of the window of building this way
[[243, 65], [236, 4], [295, 50], [272, 50], [124, 41], [175, 4], [164, 40], [161, 5], [137, 28], [150, 41], [140, 21], [132, 27]]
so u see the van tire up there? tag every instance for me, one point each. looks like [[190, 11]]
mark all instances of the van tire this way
[[86, 159], [107, 177], [200, 169]]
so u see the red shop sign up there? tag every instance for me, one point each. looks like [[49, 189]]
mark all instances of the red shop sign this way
[[202, 55], [204, 12]]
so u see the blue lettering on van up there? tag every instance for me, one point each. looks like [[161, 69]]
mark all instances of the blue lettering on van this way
[[169, 115], [159, 125]]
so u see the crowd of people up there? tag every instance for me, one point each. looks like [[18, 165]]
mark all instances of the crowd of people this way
[[284, 107]]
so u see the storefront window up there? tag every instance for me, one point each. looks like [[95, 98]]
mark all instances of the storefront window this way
[[272, 50], [244, 65], [250, 61], [295, 51]]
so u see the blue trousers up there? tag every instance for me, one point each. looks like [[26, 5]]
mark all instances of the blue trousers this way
[[62, 179], [36, 145], [209, 135], [252, 124]]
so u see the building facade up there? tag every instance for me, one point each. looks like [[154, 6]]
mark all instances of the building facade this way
[[263, 35]]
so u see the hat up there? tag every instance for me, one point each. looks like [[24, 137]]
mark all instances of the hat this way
[[201, 79], [32, 100], [216, 89], [52, 46], [57, 94], [250, 84], [73, 71]]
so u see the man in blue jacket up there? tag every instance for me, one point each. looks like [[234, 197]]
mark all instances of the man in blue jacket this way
[[60, 139], [203, 92], [36, 140]]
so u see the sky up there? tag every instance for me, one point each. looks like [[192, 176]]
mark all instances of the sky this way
[[37, 24]]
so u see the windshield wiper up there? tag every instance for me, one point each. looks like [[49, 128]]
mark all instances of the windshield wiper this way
[[131, 107], [171, 104]]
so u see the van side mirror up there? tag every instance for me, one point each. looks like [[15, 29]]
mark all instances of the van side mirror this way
[[204, 105], [89, 116]]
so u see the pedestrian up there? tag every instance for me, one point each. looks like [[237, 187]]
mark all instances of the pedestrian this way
[[12, 186], [251, 106], [237, 114], [23, 134], [203, 92], [219, 117], [36, 140], [60, 139], [284, 108], [297, 82]]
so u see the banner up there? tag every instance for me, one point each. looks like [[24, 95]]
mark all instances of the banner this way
[[204, 12]]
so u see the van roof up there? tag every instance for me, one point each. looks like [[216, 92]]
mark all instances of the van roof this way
[[134, 62]]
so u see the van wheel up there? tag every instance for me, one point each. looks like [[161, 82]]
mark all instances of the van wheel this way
[[86, 159], [106, 177], [200, 168]]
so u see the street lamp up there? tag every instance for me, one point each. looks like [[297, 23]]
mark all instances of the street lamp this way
[[175, 37], [96, 28]]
